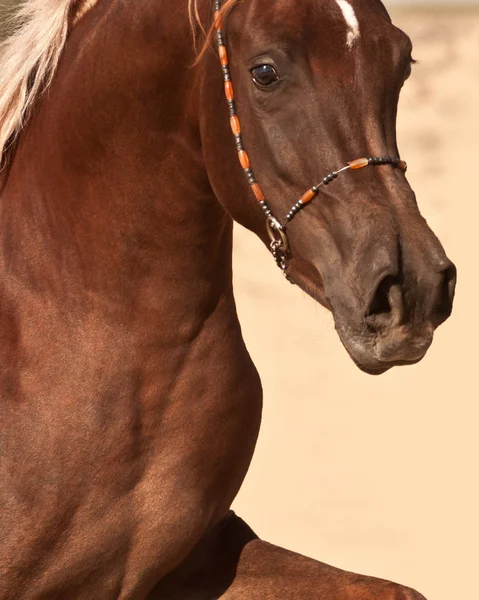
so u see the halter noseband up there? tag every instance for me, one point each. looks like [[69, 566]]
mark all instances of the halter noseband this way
[[276, 230]]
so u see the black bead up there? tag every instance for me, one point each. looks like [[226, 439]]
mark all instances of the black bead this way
[[316, 189], [239, 142], [335, 175], [266, 208]]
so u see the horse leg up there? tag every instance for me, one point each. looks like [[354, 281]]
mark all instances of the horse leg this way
[[233, 564]]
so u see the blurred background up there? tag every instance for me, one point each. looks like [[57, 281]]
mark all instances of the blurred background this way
[[380, 475]]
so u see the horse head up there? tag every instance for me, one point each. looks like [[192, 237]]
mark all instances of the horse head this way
[[311, 88]]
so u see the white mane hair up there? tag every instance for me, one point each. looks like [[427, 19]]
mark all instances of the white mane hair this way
[[30, 55]]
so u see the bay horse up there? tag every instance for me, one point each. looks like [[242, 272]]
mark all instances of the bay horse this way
[[130, 405]]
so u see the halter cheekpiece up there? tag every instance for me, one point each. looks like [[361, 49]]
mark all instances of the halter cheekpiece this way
[[276, 230]]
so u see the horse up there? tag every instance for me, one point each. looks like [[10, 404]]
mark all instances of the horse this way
[[130, 405]]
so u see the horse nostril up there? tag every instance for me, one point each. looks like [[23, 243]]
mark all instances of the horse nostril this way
[[446, 295], [387, 306]]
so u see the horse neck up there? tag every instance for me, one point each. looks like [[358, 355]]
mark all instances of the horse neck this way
[[117, 318], [115, 205]]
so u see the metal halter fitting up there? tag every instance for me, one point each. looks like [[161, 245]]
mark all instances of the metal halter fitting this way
[[276, 230]]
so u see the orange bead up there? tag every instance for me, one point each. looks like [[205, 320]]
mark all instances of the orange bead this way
[[235, 125], [229, 90], [402, 164], [258, 192], [218, 20], [359, 163], [244, 159], [223, 55], [310, 194]]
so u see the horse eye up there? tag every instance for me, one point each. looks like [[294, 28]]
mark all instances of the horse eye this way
[[264, 75]]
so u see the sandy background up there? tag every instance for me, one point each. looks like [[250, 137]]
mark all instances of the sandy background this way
[[380, 475]]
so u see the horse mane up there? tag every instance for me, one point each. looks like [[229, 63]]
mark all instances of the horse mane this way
[[195, 21], [30, 54], [29, 57]]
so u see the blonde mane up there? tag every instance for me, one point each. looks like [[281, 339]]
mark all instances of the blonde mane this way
[[30, 55]]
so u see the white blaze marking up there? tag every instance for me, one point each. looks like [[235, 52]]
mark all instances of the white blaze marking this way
[[351, 20]]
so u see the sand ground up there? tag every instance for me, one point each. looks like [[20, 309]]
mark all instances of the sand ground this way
[[380, 475]]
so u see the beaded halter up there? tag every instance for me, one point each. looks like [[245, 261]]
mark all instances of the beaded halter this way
[[276, 230]]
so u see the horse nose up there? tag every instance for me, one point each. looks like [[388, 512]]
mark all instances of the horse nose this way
[[389, 308]]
